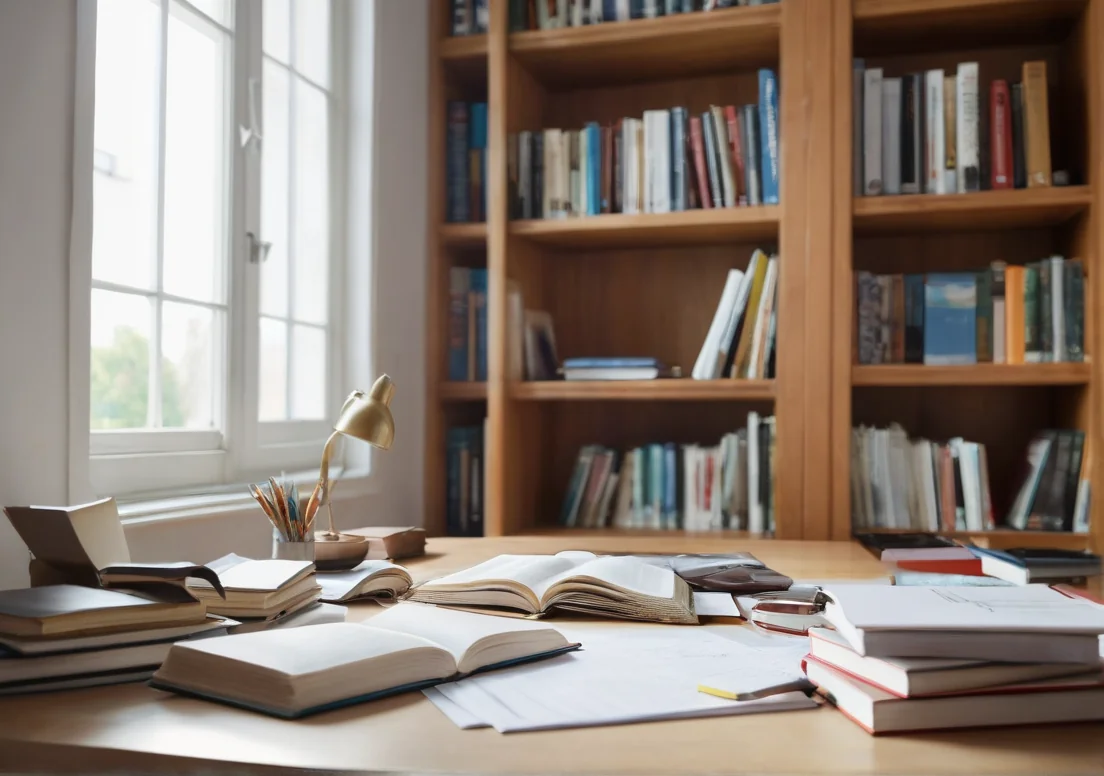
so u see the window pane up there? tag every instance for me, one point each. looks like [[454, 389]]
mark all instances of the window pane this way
[[190, 366], [312, 39], [124, 243], [312, 209], [120, 359], [195, 160], [222, 11], [273, 370], [276, 32], [275, 205], [308, 373]]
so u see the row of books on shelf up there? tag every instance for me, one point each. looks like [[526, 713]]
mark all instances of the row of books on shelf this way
[[555, 14], [740, 342], [933, 133], [921, 485], [728, 486], [465, 480], [664, 162], [467, 324], [469, 17], [1002, 315], [466, 162]]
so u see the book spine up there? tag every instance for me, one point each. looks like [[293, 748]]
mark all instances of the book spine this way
[[1058, 308], [768, 127], [1000, 143], [513, 175], [519, 15], [457, 164], [966, 131], [525, 175], [984, 325], [594, 171], [606, 185], [934, 178], [950, 135], [750, 125], [1036, 124], [914, 319], [1033, 345], [1075, 311], [739, 170], [663, 161], [479, 293], [697, 148], [996, 284], [678, 159], [724, 158], [866, 297], [538, 195], [913, 134], [891, 135], [477, 155], [1046, 310], [459, 286], [618, 183], [872, 132], [897, 320], [459, 17], [1073, 479], [453, 445], [709, 135], [482, 16], [858, 81], [550, 198], [1019, 163], [475, 488]]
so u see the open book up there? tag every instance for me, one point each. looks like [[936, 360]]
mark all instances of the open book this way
[[301, 671], [258, 588], [626, 588], [372, 578]]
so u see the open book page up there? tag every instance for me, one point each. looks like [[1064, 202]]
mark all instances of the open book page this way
[[254, 575], [474, 640], [629, 574], [387, 578], [526, 571]]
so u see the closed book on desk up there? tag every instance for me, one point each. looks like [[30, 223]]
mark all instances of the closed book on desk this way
[[936, 560], [301, 671], [80, 642], [1032, 623], [370, 579], [1068, 699], [608, 586], [1028, 564], [258, 588], [394, 542], [56, 610]]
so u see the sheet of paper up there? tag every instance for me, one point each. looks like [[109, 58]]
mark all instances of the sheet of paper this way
[[460, 716], [715, 604], [624, 674]]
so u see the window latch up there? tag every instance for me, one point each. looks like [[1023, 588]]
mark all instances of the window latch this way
[[258, 249]]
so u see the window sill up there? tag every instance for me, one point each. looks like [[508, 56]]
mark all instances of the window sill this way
[[228, 500]]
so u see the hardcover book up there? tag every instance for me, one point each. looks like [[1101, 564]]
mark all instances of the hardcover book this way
[[950, 312]]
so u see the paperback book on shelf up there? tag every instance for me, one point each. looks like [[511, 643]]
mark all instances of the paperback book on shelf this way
[[466, 474], [466, 162], [467, 324]]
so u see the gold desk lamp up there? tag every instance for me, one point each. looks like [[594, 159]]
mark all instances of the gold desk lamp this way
[[366, 417]]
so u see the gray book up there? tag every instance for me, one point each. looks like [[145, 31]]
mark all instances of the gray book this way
[[751, 155], [891, 136], [872, 132]]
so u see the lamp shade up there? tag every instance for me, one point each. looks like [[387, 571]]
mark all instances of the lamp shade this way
[[367, 416]]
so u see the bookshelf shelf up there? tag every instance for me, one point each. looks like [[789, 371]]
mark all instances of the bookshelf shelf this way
[[464, 50], [645, 390], [977, 374], [458, 391], [648, 49], [691, 227], [463, 235], [1015, 209]]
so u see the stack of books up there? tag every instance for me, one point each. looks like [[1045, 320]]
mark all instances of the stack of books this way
[[467, 324], [260, 593], [1055, 493], [1002, 315], [555, 14], [466, 162], [466, 474], [660, 486], [67, 636], [944, 133], [971, 565], [740, 341], [927, 658], [666, 161]]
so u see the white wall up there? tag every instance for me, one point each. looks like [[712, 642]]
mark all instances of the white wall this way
[[37, 40]]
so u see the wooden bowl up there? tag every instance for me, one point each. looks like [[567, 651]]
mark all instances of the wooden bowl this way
[[338, 552]]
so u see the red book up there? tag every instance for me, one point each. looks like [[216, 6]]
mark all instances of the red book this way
[[737, 154], [935, 560], [697, 147], [1000, 140]]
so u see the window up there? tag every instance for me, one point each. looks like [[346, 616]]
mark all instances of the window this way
[[213, 258]]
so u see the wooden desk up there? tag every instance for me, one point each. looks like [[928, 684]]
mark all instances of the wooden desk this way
[[135, 728]]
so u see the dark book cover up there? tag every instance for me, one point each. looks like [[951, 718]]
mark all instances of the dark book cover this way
[[914, 319], [461, 21], [984, 326], [519, 15], [1074, 287], [1046, 512], [456, 154], [711, 162], [1000, 142], [959, 496], [607, 169], [739, 170], [618, 202], [693, 201], [912, 137], [1046, 319], [750, 127], [897, 320], [1019, 160], [1033, 343], [537, 176], [513, 188], [636, 9], [701, 172], [1073, 478], [677, 135], [765, 472]]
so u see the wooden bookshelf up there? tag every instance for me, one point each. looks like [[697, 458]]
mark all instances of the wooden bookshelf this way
[[648, 284]]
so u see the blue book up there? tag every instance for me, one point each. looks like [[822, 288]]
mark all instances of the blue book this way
[[670, 487], [594, 168], [479, 299], [609, 363], [609, 10], [679, 177], [950, 319], [456, 153], [477, 144], [768, 135]]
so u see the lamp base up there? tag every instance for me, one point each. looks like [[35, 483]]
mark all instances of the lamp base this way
[[338, 551]]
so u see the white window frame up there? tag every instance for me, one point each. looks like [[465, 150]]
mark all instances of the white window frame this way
[[171, 462]]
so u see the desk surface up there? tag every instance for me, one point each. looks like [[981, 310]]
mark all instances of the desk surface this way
[[135, 728]]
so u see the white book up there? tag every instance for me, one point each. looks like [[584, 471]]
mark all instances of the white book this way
[[935, 182], [1058, 308], [631, 168], [624, 10], [657, 161], [596, 12], [705, 366], [927, 485], [971, 486], [755, 506], [872, 132], [372, 578], [689, 484], [1029, 623], [967, 152], [891, 135]]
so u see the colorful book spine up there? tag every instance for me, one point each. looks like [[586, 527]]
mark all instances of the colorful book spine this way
[[1000, 143], [950, 317], [1036, 124], [479, 297], [456, 152], [984, 326], [477, 157], [768, 126], [1032, 336]]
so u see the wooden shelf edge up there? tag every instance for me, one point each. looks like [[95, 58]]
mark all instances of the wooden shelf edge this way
[[1063, 200], [889, 9], [766, 19], [463, 234], [645, 390], [461, 391], [693, 225], [461, 47], [888, 375]]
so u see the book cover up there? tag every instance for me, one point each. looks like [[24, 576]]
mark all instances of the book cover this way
[[1015, 314], [594, 168], [858, 81], [996, 284], [768, 128], [724, 157], [679, 168], [966, 131], [891, 135], [913, 134], [456, 152], [1019, 161], [1046, 310], [1055, 267], [739, 168], [984, 328], [1033, 343], [478, 280], [934, 133], [950, 135], [701, 175], [710, 149], [872, 132], [950, 309], [1000, 143], [477, 156], [606, 174], [897, 320], [459, 288], [751, 128], [538, 195], [1075, 311], [914, 319], [1036, 118]]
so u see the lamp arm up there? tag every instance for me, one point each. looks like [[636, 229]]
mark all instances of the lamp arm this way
[[324, 478]]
